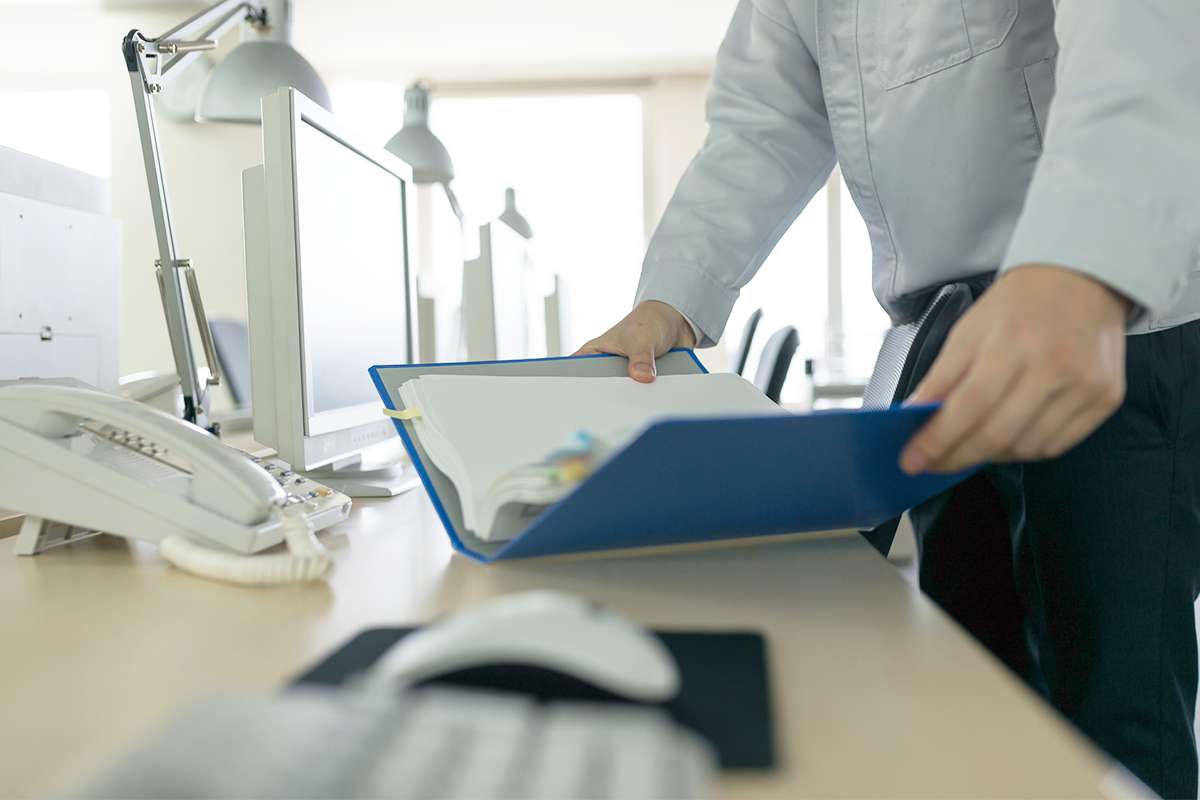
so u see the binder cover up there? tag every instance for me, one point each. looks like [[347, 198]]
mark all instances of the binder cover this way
[[724, 688], [688, 481]]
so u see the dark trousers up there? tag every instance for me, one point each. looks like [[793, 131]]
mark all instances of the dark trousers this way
[[1081, 572]]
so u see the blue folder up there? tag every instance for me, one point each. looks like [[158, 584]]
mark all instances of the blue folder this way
[[687, 481]]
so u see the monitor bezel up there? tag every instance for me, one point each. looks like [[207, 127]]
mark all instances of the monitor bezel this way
[[284, 112]]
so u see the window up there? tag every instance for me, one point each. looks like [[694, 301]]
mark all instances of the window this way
[[792, 288], [575, 162], [67, 127]]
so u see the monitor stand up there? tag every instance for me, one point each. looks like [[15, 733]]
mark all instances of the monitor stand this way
[[384, 472]]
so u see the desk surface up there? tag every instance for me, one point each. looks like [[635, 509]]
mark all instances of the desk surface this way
[[876, 692]]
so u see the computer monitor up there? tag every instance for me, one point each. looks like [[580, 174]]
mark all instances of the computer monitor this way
[[557, 307], [330, 290], [494, 296]]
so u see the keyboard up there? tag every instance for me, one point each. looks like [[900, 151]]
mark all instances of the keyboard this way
[[425, 743]]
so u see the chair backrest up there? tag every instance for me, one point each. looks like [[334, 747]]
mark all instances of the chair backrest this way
[[232, 341], [776, 358], [743, 351], [907, 353], [909, 350]]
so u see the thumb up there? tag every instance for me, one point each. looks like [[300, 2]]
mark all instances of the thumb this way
[[644, 343], [641, 363]]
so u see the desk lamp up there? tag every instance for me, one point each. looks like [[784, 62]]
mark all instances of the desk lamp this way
[[416, 145], [513, 218], [231, 93]]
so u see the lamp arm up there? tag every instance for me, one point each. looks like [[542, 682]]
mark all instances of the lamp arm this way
[[163, 58], [144, 58]]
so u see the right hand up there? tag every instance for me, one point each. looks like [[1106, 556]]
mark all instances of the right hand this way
[[650, 330]]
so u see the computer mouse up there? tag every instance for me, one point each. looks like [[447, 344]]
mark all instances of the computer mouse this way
[[543, 629]]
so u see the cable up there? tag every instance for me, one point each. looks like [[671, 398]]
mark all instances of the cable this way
[[306, 560]]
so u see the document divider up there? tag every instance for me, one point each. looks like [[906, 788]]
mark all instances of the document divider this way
[[689, 481]]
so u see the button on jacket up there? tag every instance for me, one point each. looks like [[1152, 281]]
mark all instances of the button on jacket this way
[[973, 135]]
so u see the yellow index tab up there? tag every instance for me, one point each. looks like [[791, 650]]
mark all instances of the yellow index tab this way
[[412, 412]]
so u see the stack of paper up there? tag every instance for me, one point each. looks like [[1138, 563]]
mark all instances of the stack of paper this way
[[523, 443]]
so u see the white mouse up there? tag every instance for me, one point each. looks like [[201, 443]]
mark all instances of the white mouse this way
[[551, 630]]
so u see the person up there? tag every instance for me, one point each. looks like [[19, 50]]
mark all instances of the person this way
[[1046, 152]]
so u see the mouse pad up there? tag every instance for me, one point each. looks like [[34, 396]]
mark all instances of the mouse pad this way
[[724, 692]]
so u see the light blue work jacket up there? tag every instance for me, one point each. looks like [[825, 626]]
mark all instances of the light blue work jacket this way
[[958, 149]]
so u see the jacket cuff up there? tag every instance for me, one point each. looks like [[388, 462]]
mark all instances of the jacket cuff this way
[[691, 291], [1144, 257]]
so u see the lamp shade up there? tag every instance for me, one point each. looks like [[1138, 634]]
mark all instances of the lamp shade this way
[[234, 89], [513, 218], [416, 145]]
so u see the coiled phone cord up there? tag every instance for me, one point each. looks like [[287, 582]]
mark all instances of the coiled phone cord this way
[[306, 560]]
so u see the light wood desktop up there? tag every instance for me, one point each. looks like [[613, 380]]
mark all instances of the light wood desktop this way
[[876, 693]]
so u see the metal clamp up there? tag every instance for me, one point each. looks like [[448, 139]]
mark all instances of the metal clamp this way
[[172, 48], [206, 340]]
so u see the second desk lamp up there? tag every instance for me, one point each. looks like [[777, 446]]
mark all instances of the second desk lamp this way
[[416, 145]]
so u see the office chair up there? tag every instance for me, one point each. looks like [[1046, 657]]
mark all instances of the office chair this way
[[232, 341], [908, 351], [743, 351], [774, 362]]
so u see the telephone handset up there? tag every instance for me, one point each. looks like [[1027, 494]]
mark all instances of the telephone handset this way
[[93, 461]]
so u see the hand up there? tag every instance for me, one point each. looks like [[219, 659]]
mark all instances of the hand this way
[[1030, 370], [650, 330]]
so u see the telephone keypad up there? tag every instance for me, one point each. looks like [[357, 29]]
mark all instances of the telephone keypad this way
[[319, 504]]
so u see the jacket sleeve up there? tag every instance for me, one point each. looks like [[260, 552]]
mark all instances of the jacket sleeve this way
[[768, 151], [1116, 192]]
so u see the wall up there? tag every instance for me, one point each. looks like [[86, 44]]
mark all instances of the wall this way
[[204, 162], [203, 166]]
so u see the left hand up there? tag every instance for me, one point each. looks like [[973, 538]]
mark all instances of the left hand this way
[[1030, 370]]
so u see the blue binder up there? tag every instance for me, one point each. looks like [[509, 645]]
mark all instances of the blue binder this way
[[688, 481]]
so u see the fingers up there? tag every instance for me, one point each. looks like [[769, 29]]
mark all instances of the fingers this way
[[1074, 428], [976, 397], [1028, 404], [947, 370], [647, 332], [635, 346], [1029, 372], [598, 347]]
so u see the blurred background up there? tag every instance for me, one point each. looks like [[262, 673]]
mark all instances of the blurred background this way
[[589, 111]]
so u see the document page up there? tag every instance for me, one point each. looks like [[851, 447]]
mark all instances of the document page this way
[[478, 428]]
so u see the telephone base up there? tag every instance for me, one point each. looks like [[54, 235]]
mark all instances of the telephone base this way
[[38, 534]]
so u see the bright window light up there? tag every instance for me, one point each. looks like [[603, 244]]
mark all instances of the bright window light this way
[[67, 127], [576, 165], [792, 289], [864, 322]]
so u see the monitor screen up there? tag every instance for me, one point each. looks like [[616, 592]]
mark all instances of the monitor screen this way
[[509, 267], [352, 271]]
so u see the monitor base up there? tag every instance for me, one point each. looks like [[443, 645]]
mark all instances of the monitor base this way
[[354, 481], [382, 470]]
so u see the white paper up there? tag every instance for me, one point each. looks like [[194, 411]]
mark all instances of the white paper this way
[[476, 428]]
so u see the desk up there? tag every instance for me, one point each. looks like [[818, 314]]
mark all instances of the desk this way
[[876, 692]]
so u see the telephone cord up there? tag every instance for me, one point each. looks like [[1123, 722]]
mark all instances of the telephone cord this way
[[306, 560]]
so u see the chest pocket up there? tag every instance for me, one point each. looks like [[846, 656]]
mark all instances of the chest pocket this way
[[916, 38]]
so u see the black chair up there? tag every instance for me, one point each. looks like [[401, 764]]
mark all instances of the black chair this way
[[743, 351], [907, 353], [774, 362], [232, 341]]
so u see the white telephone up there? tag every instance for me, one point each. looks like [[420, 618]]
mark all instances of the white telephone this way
[[75, 458]]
